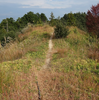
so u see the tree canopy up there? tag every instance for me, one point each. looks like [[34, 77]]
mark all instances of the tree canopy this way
[[9, 27], [93, 20], [78, 19]]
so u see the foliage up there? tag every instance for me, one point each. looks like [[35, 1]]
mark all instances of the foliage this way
[[10, 27], [11, 34], [71, 19], [78, 19], [61, 31], [43, 17], [52, 21], [51, 16], [93, 20]]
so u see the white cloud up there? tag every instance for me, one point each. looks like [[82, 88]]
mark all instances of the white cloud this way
[[45, 3]]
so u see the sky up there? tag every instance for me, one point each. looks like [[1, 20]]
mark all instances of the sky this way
[[17, 8]]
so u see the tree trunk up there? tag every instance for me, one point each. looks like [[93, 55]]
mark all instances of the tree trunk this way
[[5, 39]]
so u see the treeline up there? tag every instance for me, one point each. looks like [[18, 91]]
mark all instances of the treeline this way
[[76, 19], [72, 19], [9, 27]]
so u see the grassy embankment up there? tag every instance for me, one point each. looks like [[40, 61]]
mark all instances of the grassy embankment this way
[[74, 69], [72, 75], [19, 62], [77, 76]]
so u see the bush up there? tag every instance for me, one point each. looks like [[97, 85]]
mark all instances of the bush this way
[[11, 34], [61, 31]]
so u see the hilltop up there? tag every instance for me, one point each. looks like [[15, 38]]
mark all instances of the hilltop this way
[[71, 74]]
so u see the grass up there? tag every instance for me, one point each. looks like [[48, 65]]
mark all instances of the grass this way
[[78, 68], [19, 62], [73, 73]]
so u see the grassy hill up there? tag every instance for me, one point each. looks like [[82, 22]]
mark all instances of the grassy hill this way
[[73, 72]]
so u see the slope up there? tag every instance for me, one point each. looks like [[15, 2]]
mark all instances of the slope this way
[[66, 71], [21, 61]]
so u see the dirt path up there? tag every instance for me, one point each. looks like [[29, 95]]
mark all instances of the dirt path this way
[[40, 76], [49, 54]]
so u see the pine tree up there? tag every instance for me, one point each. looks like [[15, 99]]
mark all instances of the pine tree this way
[[52, 19]]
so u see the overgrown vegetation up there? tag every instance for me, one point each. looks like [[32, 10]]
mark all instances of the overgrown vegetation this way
[[61, 31]]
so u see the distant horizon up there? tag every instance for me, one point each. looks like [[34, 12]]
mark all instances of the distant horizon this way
[[19, 8]]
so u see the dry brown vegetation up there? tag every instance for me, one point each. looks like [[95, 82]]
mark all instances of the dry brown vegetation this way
[[22, 88], [60, 52], [53, 86], [17, 50], [93, 54], [64, 86]]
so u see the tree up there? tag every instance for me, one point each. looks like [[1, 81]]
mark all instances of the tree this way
[[3, 34], [61, 31], [43, 17], [3, 23], [31, 17], [92, 20], [52, 22], [51, 16], [80, 20], [70, 19], [65, 17]]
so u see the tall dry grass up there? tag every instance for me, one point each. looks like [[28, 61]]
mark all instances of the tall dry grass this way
[[65, 86], [21, 87], [13, 51], [93, 54]]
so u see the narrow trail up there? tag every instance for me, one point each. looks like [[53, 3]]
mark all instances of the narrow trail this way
[[49, 54], [46, 75], [43, 86], [39, 82]]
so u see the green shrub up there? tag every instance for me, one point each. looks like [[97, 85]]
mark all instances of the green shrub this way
[[61, 31], [11, 34]]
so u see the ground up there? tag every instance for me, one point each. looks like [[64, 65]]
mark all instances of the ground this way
[[39, 67]]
